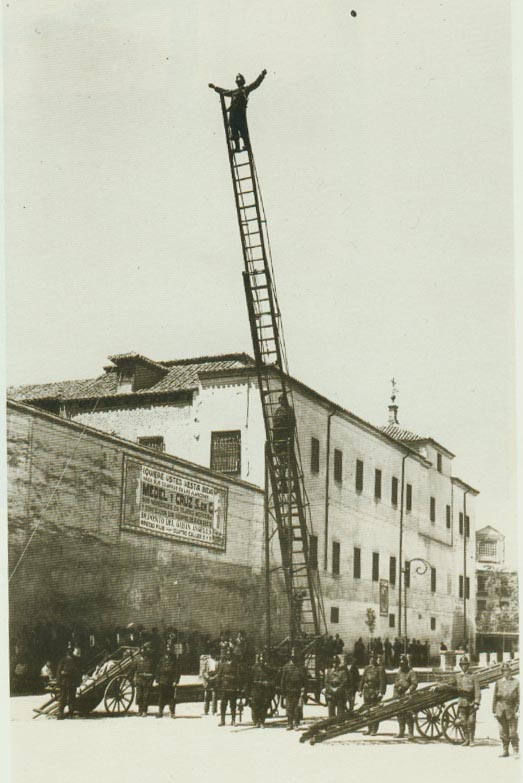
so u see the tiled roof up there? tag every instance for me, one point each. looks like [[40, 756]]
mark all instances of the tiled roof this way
[[400, 434], [181, 375]]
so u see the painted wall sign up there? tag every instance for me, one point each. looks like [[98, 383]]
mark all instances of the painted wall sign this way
[[174, 505], [384, 597]]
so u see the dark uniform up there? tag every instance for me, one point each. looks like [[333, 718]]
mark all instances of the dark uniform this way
[[168, 676], [143, 680], [469, 694], [238, 108], [335, 690], [261, 690], [227, 683], [373, 686], [293, 683], [68, 678], [505, 706], [353, 679], [283, 425], [405, 683]]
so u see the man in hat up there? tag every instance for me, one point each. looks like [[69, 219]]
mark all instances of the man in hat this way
[[335, 688], [143, 678], [261, 689], [469, 700], [227, 683], [352, 678], [505, 707], [238, 108], [405, 683], [373, 687], [68, 678], [293, 686], [283, 425], [168, 676]]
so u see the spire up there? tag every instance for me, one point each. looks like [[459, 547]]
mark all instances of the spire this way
[[393, 409]]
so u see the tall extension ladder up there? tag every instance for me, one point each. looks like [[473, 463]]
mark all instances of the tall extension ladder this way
[[288, 503]]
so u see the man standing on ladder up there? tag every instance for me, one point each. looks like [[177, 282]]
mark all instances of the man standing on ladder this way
[[238, 108]]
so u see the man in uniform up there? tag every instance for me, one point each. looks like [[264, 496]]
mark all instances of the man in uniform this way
[[352, 679], [335, 688], [238, 108], [405, 683], [68, 678], [505, 707], [168, 676], [210, 694], [293, 685], [469, 699], [261, 688], [143, 678], [373, 687], [227, 682]]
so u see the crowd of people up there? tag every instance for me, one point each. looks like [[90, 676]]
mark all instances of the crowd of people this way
[[417, 651]]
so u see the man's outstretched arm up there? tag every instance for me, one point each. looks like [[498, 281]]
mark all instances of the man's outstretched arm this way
[[257, 82], [221, 90]]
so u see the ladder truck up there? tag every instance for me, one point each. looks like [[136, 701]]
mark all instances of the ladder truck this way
[[288, 504]]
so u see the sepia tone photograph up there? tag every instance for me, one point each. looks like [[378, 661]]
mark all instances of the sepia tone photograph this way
[[260, 463]]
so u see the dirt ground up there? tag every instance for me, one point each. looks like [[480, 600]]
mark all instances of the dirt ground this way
[[192, 747]]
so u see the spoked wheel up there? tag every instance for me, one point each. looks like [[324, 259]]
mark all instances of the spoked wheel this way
[[119, 695], [274, 706], [451, 724], [428, 722]]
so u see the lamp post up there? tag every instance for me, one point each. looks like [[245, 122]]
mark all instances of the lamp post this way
[[422, 568]]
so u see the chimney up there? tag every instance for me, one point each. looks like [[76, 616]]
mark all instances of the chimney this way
[[393, 409]]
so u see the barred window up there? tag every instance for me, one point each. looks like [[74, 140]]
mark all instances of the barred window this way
[[155, 442], [226, 452], [487, 548]]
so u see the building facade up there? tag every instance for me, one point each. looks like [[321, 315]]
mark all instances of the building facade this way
[[393, 527]]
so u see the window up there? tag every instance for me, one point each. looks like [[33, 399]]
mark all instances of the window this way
[[357, 563], [432, 623], [448, 517], [375, 567], [155, 442], [487, 549], [226, 452], [433, 510], [467, 526], [460, 592], [313, 551], [392, 620], [440, 463], [482, 605], [377, 484], [392, 570], [338, 465], [394, 491], [359, 475], [482, 583], [315, 455], [433, 580], [461, 523], [336, 558], [409, 497], [335, 614], [407, 573], [467, 587]]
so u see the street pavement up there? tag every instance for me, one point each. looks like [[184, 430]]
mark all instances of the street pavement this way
[[193, 748]]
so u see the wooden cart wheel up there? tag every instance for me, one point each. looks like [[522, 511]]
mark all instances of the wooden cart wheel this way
[[119, 695], [274, 705], [428, 722], [451, 724]]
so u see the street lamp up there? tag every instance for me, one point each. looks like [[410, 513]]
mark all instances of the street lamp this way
[[421, 568]]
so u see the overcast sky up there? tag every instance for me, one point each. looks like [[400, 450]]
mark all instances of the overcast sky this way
[[383, 146]]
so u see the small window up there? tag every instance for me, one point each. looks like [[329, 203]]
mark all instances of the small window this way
[[357, 563], [482, 583], [375, 567], [482, 605], [460, 592], [433, 580], [407, 573], [432, 623], [447, 516], [394, 491], [433, 510], [409, 497], [226, 452], [487, 548], [335, 614], [155, 442], [315, 455], [377, 484], [359, 475], [313, 552], [440, 463], [467, 587], [338, 465], [336, 558], [461, 523], [467, 526], [392, 620], [392, 570]]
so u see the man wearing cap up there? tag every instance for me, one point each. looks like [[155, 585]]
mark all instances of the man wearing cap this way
[[505, 707], [352, 678], [261, 688], [373, 687], [293, 685], [238, 108], [335, 688], [143, 678], [227, 683], [469, 694], [405, 683], [168, 676], [68, 678]]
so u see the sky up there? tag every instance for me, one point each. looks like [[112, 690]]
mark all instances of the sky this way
[[383, 143]]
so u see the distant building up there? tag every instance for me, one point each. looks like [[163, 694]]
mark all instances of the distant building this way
[[370, 487], [497, 606]]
